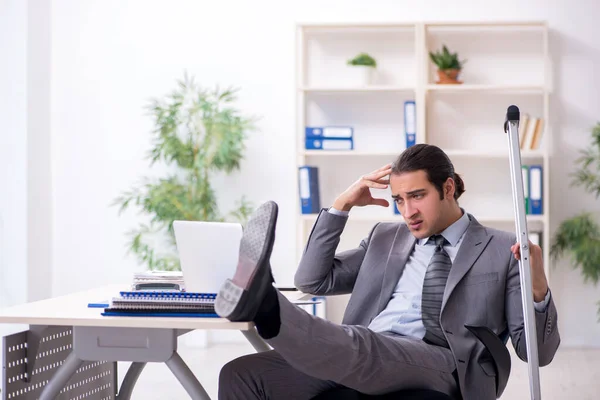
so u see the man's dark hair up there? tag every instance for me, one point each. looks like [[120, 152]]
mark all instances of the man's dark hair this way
[[434, 162]]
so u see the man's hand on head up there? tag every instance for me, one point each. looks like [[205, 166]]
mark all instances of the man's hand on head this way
[[359, 193]]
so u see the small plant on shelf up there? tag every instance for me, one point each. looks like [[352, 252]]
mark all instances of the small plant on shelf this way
[[363, 59], [579, 236], [448, 64], [364, 66]]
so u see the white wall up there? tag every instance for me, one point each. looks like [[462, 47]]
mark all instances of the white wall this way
[[39, 169], [109, 57], [13, 152]]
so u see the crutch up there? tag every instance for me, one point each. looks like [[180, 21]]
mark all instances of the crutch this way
[[511, 126]]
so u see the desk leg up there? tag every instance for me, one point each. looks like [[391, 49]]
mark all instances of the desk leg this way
[[131, 377], [256, 341], [61, 377], [186, 377]]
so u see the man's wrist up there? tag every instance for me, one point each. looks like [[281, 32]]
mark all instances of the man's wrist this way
[[340, 205], [542, 306], [540, 295], [335, 211]]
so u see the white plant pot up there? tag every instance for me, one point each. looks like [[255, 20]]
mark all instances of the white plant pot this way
[[359, 75]]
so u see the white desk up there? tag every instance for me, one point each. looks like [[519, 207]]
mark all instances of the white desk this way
[[99, 338]]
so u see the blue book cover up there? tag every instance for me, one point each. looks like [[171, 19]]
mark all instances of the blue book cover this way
[[310, 201]]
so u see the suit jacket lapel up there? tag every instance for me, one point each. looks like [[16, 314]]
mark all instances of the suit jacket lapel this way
[[475, 241], [402, 247]]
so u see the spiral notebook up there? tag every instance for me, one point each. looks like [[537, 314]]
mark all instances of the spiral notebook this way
[[164, 304]]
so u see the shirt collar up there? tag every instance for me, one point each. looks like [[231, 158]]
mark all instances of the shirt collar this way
[[454, 232]]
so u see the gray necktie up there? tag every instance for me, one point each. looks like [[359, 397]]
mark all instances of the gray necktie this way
[[433, 292]]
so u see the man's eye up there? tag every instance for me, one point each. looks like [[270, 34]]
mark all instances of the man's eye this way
[[418, 196]]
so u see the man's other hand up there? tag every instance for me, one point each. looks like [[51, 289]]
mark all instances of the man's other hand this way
[[539, 282]]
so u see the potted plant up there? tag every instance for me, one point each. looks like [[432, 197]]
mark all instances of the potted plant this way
[[364, 66], [448, 64], [198, 134], [579, 236]]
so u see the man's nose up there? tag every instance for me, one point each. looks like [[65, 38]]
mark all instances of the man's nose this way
[[409, 210]]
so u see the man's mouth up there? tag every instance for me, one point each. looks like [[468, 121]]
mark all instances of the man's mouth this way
[[416, 224]]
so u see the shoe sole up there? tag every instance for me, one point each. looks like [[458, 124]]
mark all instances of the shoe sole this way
[[233, 300]]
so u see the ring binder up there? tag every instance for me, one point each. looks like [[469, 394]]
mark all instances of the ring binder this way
[[168, 295]]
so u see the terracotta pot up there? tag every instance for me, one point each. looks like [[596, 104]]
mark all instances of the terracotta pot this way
[[448, 76]]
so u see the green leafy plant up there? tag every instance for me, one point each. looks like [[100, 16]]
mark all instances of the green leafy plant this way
[[579, 236], [446, 60], [363, 59], [198, 133]]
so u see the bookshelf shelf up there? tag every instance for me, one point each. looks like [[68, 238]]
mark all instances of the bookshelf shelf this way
[[526, 89], [357, 89], [493, 154], [346, 153], [509, 63], [489, 24], [451, 153], [533, 219]]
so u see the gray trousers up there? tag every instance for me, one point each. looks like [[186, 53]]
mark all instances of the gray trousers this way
[[312, 355]]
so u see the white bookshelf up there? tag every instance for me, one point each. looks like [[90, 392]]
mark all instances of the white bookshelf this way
[[507, 63]]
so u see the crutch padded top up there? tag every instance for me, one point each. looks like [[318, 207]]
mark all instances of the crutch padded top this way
[[512, 114]]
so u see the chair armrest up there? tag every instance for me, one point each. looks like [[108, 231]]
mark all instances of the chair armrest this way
[[499, 353]]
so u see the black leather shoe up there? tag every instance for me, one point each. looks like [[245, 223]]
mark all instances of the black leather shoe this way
[[240, 297]]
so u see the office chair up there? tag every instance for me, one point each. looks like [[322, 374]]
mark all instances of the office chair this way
[[497, 351]]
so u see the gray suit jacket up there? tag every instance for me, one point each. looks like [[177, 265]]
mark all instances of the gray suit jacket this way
[[483, 289]]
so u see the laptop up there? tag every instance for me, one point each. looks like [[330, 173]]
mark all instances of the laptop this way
[[208, 253]]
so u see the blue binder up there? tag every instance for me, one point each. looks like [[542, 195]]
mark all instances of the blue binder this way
[[536, 189], [310, 201], [329, 144], [410, 122], [331, 132]]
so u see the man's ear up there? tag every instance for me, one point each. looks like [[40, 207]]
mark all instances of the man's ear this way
[[449, 187]]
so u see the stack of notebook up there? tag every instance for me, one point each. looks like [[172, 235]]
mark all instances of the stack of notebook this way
[[162, 304]]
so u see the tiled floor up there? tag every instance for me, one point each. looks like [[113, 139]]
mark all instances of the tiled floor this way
[[574, 374]]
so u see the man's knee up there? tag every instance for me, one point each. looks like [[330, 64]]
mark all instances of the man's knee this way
[[235, 369], [237, 379]]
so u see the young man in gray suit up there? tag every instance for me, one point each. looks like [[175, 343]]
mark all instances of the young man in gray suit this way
[[414, 285]]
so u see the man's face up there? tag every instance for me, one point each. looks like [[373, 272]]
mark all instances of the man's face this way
[[419, 202]]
